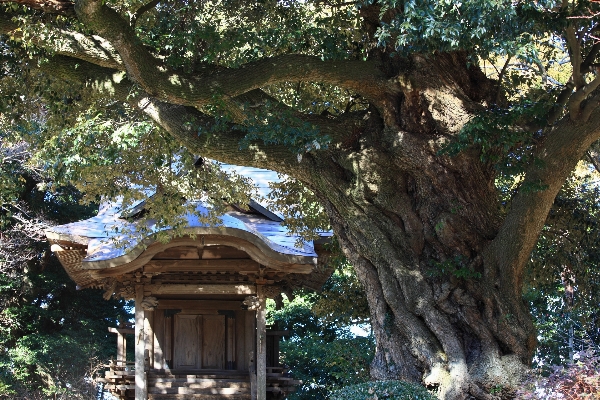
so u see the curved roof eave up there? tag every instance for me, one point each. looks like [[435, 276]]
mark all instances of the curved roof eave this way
[[107, 249], [271, 254]]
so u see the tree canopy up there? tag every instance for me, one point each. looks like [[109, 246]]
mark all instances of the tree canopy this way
[[432, 136]]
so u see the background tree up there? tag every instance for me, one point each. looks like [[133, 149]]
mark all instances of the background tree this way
[[52, 339], [562, 279], [380, 109], [322, 350]]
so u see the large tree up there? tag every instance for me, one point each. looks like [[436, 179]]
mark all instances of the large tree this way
[[381, 109]]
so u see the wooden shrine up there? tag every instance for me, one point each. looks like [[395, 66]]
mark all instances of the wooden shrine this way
[[200, 327]]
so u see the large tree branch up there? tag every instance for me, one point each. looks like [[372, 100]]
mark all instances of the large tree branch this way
[[586, 65], [576, 100], [554, 161], [199, 132], [204, 135], [99, 79], [90, 48], [575, 53], [199, 89]]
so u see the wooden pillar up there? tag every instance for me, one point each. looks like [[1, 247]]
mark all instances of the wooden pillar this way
[[252, 369], [149, 337], [121, 349], [261, 345], [141, 390]]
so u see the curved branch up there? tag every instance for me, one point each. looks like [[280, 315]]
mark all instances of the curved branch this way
[[562, 99], [98, 79], [204, 135], [90, 48], [586, 65], [143, 9], [589, 107], [565, 145], [575, 53], [199, 89]]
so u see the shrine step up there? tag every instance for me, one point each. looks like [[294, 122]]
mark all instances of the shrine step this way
[[187, 374], [208, 391], [197, 383], [152, 396]]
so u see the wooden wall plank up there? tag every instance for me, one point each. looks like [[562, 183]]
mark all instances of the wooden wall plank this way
[[179, 252], [217, 252], [230, 342], [213, 342], [185, 351], [168, 343], [202, 265], [241, 355]]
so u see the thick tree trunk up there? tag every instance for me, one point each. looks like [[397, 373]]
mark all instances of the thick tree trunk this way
[[416, 226]]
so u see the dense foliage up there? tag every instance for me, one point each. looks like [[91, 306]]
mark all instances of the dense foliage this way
[[323, 350], [562, 275], [392, 390], [53, 339]]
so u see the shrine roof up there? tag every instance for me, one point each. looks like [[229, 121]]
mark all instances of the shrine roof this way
[[112, 239]]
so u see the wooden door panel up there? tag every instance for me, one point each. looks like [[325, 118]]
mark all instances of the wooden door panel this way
[[213, 342], [186, 344]]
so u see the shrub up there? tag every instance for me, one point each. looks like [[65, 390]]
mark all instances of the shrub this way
[[389, 390], [580, 379]]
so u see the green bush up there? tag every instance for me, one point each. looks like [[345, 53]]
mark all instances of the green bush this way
[[390, 390]]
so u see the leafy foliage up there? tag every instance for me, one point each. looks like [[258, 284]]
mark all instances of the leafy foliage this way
[[342, 300], [479, 25], [393, 390], [301, 209], [233, 32]]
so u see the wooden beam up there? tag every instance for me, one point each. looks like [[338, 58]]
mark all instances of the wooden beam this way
[[198, 305], [200, 289], [261, 346], [141, 389], [201, 265], [123, 331]]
